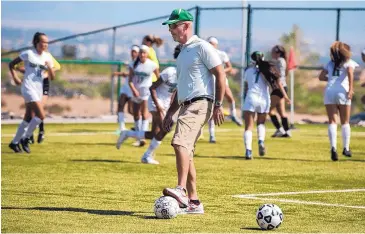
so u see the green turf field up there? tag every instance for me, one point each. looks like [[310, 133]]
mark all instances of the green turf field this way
[[76, 181]]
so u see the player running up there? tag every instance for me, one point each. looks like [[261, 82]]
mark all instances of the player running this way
[[258, 79], [37, 62], [161, 93], [339, 74]]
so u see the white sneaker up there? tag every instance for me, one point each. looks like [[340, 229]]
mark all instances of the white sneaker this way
[[121, 139], [149, 160], [179, 193], [193, 209]]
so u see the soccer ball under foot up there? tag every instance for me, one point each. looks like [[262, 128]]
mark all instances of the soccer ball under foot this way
[[166, 207]]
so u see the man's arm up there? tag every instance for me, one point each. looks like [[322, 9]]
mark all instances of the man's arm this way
[[220, 82]]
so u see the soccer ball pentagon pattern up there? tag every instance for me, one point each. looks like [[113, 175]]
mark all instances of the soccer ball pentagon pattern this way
[[166, 207], [269, 216]]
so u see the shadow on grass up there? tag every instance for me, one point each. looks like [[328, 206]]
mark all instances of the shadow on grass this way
[[102, 160], [71, 209], [252, 228], [85, 143]]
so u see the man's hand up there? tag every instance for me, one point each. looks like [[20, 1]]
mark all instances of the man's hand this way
[[218, 115], [167, 123]]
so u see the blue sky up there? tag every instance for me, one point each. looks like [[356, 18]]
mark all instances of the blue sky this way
[[79, 16]]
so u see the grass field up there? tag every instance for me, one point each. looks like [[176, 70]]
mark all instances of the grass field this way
[[76, 181]]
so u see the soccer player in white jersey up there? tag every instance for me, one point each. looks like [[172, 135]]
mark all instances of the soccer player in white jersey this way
[[158, 103], [228, 93], [125, 94], [36, 62], [140, 81], [339, 74], [258, 79]]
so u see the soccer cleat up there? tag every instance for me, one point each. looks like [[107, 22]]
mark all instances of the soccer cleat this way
[[236, 121], [149, 160], [139, 143], [248, 155], [287, 134], [25, 144], [179, 194], [31, 139], [193, 209], [212, 140], [278, 133], [40, 137], [334, 155], [15, 147], [121, 139], [346, 152], [261, 149]]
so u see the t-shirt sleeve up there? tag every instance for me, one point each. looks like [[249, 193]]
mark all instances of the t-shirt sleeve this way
[[282, 67], [351, 63], [225, 57], [50, 61], [209, 56], [164, 75], [24, 55]]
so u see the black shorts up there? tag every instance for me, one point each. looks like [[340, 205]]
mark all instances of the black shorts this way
[[278, 93], [45, 86]]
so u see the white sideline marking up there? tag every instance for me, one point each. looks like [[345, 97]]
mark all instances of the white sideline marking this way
[[261, 197], [303, 192]]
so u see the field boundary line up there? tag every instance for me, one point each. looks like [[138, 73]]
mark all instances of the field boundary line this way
[[266, 196]]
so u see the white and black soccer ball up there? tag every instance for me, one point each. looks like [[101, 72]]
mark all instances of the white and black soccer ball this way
[[269, 216], [166, 207]]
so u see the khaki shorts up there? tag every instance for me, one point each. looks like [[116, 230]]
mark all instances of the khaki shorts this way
[[190, 121]]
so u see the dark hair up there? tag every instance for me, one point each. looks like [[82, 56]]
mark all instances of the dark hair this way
[[257, 56], [281, 50], [37, 38], [340, 52], [177, 51], [268, 69], [154, 40], [135, 64]]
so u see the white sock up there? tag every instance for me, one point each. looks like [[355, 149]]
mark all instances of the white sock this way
[[145, 125], [261, 132], [136, 125], [121, 121], [248, 139], [153, 146], [211, 128], [140, 124], [232, 109], [20, 132], [136, 134], [346, 133], [32, 126], [332, 134]]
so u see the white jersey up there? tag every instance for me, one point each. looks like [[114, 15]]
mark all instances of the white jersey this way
[[126, 89], [223, 56], [258, 95], [35, 71], [143, 74], [339, 78], [165, 90], [257, 84]]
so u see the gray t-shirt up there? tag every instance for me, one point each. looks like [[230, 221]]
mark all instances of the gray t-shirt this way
[[195, 60], [281, 66]]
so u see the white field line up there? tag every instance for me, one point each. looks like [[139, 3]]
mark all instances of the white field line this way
[[302, 192], [263, 196]]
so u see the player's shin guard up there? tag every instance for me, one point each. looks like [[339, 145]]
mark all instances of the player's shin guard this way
[[20, 132], [346, 133], [248, 139], [121, 121], [332, 135], [32, 126], [261, 132], [275, 121]]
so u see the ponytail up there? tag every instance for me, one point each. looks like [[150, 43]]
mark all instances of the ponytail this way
[[154, 40]]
